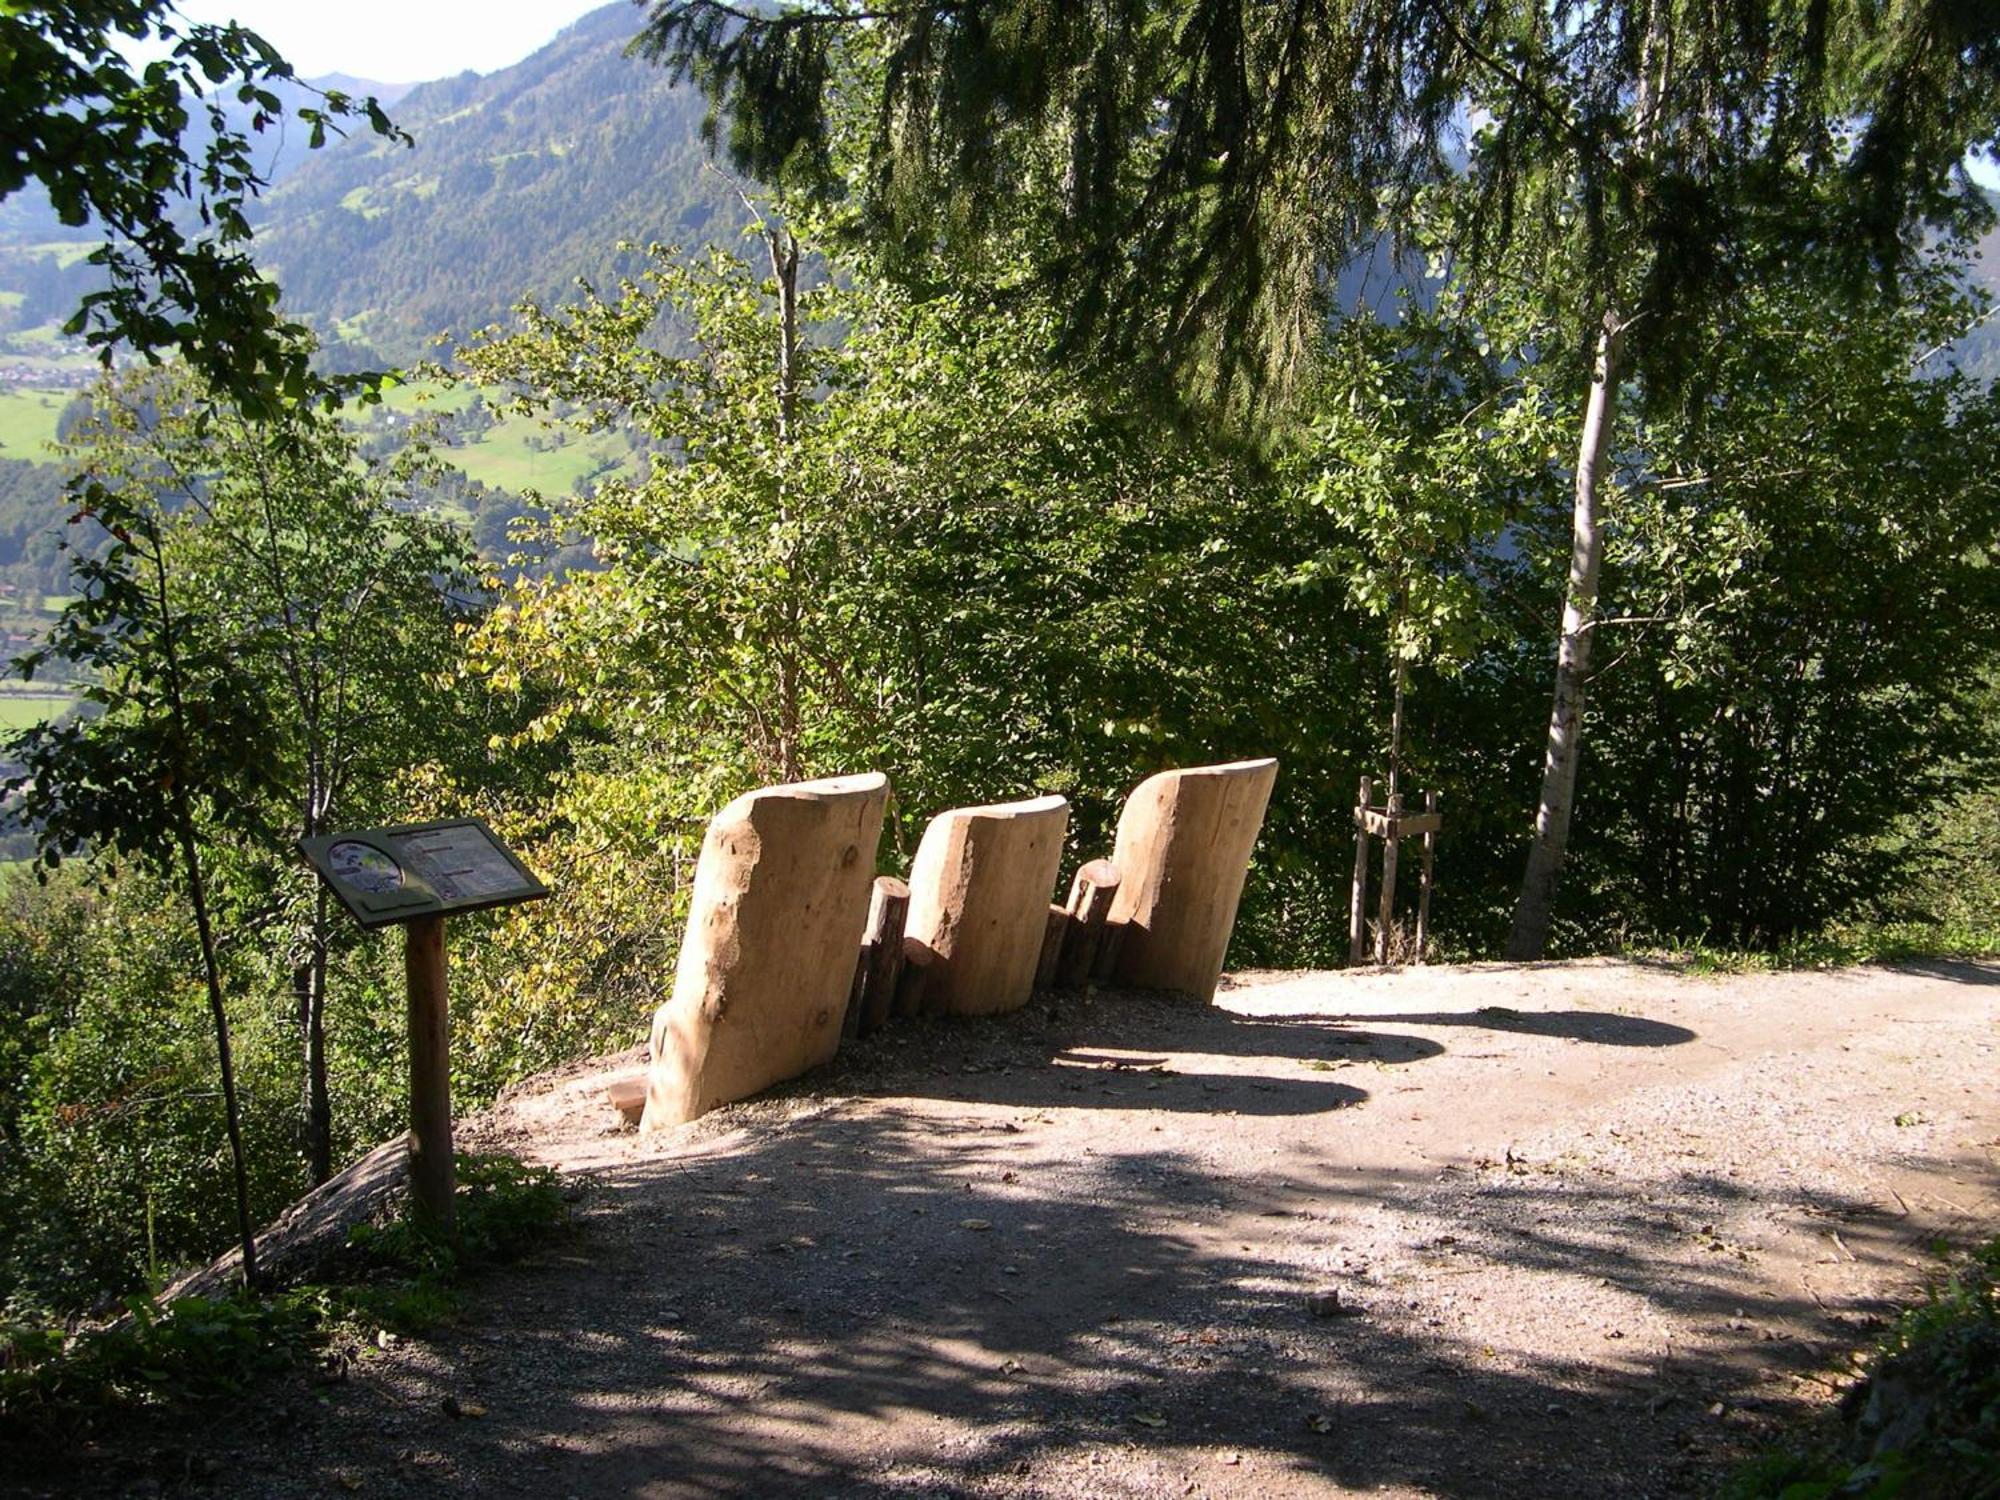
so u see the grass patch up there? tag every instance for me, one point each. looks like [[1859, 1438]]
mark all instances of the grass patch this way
[[28, 421], [1924, 1424], [426, 395], [503, 459], [397, 1276], [1843, 945], [19, 711]]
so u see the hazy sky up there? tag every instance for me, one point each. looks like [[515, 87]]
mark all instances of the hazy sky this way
[[399, 41]]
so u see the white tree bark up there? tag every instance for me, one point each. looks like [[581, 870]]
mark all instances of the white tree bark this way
[[1536, 904]]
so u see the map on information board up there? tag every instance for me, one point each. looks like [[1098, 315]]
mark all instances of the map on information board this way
[[385, 875]]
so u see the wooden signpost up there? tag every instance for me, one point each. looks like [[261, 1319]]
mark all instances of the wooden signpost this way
[[414, 877]]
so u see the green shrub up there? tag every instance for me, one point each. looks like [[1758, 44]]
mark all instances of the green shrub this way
[[403, 1276], [504, 1206], [1925, 1424], [191, 1348]]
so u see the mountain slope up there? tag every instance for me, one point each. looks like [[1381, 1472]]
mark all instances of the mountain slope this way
[[1978, 353], [519, 182]]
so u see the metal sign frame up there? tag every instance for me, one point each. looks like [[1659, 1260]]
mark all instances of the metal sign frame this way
[[386, 876]]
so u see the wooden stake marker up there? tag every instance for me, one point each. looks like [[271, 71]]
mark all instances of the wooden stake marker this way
[[1391, 825], [414, 877]]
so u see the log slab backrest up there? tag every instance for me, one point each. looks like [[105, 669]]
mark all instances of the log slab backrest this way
[[979, 901], [780, 898], [1184, 842]]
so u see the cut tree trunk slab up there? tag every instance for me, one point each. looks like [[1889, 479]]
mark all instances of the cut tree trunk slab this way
[[780, 899], [1183, 849], [979, 902]]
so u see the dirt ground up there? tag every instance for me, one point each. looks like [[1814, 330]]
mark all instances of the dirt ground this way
[[1593, 1229]]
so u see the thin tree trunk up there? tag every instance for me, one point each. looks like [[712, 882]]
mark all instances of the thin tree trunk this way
[[309, 979], [198, 899], [319, 1103], [1536, 904], [232, 1111], [785, 270], [302, 1008]]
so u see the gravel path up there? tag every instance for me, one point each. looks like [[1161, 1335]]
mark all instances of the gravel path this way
[[1559, 1230]]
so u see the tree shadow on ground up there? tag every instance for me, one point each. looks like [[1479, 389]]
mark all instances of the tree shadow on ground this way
[[870, 1304], [1137, 1052], [1603, 1027], [883, 1298], [1958, 970], [887, 1299]]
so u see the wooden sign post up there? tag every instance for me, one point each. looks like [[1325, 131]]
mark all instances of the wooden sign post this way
[[415, 876]]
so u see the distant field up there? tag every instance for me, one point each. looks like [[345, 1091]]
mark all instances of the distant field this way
[[503, 458], [24, 710], [28, 422], [11, 346], [422, 395], [65, 253], [42, 333]]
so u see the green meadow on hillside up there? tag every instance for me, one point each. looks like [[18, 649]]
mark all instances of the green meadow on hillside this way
[[24, 710], [505, 459], [513, 453], [28, 417]]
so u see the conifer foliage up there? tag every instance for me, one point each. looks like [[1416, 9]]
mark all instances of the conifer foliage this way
[[1197, 169], [1190, 174]]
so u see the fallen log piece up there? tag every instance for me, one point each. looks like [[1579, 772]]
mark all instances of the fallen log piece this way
[[627, 1095], [780, 898], [1183, 850], [313, 1230], [979, 895], [1091, 895]]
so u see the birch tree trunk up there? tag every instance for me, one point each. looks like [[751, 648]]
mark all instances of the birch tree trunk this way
[[1536, 904], [784, 247]]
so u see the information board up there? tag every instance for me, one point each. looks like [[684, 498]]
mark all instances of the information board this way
[[388, 875]]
